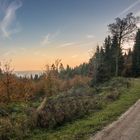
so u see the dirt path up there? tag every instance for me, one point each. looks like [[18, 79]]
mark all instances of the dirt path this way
[[127, 127]]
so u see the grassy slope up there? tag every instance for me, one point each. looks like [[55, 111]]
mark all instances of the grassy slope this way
[[83, 128]]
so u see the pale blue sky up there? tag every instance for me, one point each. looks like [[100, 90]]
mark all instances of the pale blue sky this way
[[35, 32]]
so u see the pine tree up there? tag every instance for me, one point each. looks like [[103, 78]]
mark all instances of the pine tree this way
[[136, 56], [100, 68], [107, 56], [117, 60], [113, 51], [127, 72]]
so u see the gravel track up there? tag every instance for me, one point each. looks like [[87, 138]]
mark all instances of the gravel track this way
[[127, 127]]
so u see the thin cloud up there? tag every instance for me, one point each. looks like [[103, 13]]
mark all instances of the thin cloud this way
[[37, 53], [45, 40], [137, 14], [129, 8], [8, 24], [75, 56], [76, 44], [90, 36], [23, 49], [9, 54], [67, 44], [49, 37], [54, 35]]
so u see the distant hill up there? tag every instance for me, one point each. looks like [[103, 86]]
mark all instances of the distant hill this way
[[28, 73]]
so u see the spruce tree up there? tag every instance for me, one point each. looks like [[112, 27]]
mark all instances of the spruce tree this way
[[100, 69], [117, 60], [136, 56], [107, 56], [127, 72], [113, 51]]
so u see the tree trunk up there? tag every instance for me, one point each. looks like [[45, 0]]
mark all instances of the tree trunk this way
[[35, 114], [42, 105], [117, 57], [117, 65]]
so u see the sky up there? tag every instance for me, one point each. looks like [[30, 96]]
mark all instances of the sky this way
[[34, 33]]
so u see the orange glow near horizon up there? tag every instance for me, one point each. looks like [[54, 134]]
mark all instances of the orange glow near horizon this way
[[31, 67], [36, 58]]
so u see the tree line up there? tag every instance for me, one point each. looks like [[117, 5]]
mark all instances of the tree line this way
[[112, 59]]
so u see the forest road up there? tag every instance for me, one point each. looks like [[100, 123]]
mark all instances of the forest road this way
[[127, 127]]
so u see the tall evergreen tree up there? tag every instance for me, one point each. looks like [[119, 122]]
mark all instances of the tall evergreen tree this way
[[136, 56], [94, 62], [117, 60], [127, 72], [107, 55], [113, 51], [100, 69]]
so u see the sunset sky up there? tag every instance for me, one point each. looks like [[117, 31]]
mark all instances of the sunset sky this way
[[36, 32]]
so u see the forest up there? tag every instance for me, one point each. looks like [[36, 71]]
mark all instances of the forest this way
[[45, 106]]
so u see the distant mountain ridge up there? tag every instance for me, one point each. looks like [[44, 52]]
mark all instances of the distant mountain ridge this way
[[28, 73]]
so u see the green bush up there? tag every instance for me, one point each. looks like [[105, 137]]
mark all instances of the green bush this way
[[66, 108], [6, 129]]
